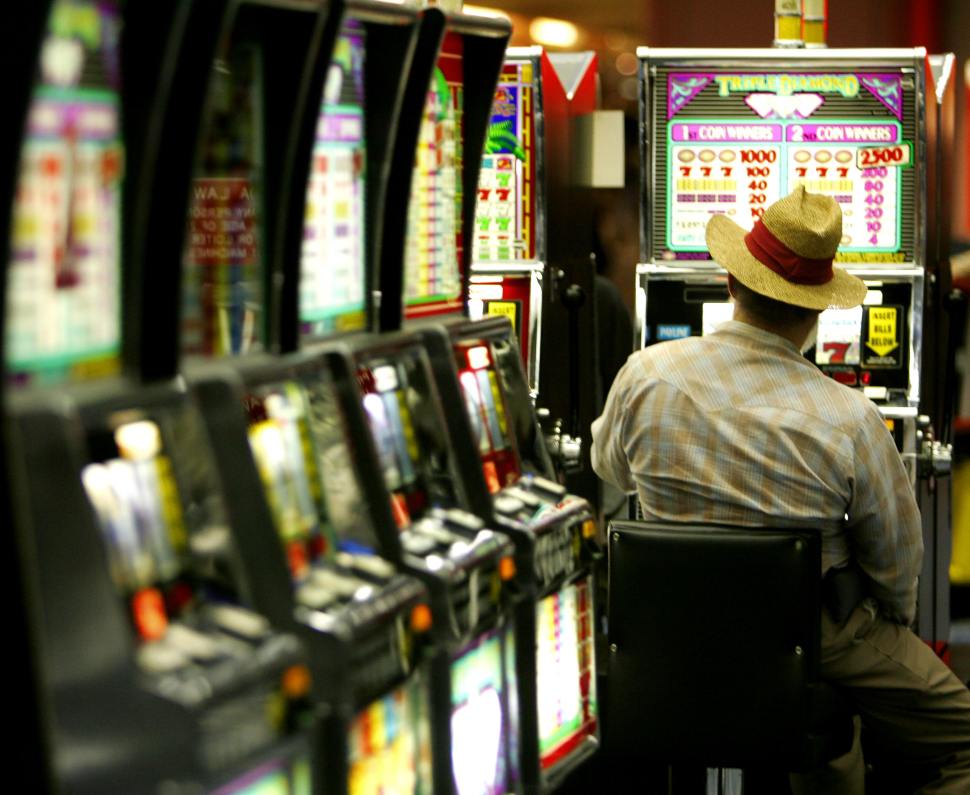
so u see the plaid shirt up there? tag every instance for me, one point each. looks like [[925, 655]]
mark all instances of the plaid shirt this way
[[739, 428]]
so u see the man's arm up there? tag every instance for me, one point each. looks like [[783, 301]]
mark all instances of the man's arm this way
[[608, 456], [885, 529]]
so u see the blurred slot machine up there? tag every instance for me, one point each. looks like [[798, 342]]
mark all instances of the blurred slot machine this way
[[730, 132], [509, 246], [532, 237], [319, 544], [468, 567], [555, 533], [412, 390], [156, 671]]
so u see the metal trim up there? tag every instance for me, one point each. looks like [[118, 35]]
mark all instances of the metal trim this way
[[535, 331], [850, 55], [507, 266]]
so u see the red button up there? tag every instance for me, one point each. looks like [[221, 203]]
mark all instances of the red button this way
[[846, 377]]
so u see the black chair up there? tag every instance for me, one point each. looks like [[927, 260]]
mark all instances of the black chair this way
[[714, 649]]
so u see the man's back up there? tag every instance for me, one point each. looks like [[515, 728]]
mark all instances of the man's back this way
[[739, 428]]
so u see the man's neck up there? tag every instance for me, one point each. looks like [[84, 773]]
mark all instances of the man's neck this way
[[794, 334]]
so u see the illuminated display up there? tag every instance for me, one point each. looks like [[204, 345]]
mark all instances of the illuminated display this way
[[389, 416], [405, 418], [713, 315], [63, 310], [274, 778], [488, 416], [839, 336], [223, 291], [333, 273], [565, 671], [148, 513], [482, 733], [734, 142], [434, 246], [505, 213], [390, 744], [282, 446]]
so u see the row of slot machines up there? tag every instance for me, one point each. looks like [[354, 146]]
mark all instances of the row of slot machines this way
[[732, 131], [282, 518]]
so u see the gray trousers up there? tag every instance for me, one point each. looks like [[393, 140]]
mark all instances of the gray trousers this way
[[908, 700]]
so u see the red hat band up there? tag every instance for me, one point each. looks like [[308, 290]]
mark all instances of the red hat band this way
[[792, 267]]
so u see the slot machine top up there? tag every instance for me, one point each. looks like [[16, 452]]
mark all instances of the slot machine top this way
[[433, 256], [732, 131], [333, 277], [509, 211], [64, 276]]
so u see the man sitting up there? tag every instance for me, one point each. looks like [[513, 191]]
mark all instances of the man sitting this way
[[737, 427]]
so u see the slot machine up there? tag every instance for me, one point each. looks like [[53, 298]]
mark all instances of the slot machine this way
[[731, 132], [286, 426], [424, 421], [512, 483], [468, 567], [521, 269], [154, 670]]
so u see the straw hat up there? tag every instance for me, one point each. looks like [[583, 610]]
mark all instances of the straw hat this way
[[788, 254]]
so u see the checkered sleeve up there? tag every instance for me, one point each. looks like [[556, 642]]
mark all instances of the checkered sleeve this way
[[885, 530], [608, 455]]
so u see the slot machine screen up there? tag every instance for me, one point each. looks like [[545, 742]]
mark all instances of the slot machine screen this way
[[505, 215], [434, 247], [163, 522], [390, 743], [732, 139], [333, 280], [299, 442], [400, 404], [488, 415], [64, 282], [565, 671], [223, 290], [482, 716], [713, 314], [278, 777], [279, 436], [839, 336]]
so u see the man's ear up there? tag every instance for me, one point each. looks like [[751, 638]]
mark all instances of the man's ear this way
[[730, 284]]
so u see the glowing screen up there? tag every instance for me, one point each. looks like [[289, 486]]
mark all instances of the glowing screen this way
[[839, 336], [732, 140], [482, 717], [333, 277], [433, 249], [223, 290], [390, 744], [151, 512], [280, 438], [273, 778], [714, 314], [489, 419], [565, 671], [405, 417], [389, 415], [63, 310], [505, 222]]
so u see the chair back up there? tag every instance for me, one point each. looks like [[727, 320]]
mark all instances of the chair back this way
[[714, 646]]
